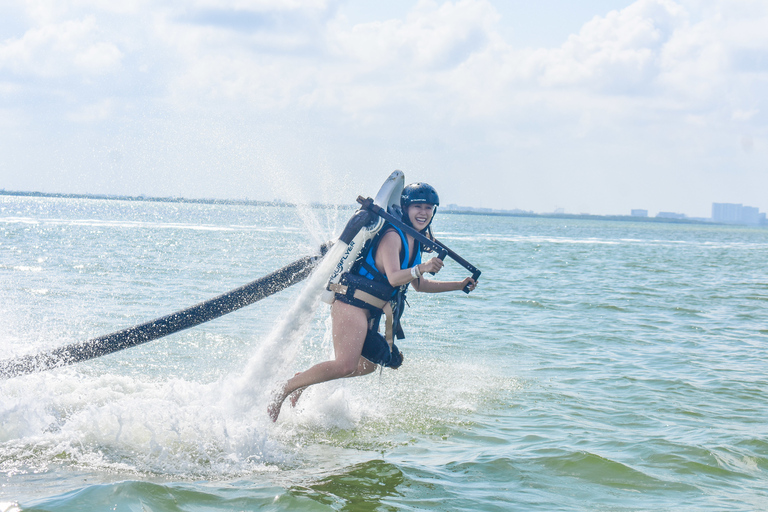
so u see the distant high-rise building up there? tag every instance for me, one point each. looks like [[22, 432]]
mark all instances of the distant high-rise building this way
[[750, 215], [639, 213], [728, 213], [731, 213]]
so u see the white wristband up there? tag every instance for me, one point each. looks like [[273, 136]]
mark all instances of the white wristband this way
[[415, 272]]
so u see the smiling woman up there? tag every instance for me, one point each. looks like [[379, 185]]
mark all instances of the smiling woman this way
[[375, 285]]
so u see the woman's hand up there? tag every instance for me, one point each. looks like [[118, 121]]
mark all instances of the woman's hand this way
[[433, 265], [471, 283]]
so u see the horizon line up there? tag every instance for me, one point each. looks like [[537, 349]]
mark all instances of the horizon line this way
[[466, 210]]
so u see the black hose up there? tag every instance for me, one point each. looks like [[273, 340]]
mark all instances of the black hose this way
[[169, 324]]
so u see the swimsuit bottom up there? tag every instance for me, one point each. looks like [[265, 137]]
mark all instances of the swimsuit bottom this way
[[375, 347]]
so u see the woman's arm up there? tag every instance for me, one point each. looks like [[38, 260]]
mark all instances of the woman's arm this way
[[388, 259], [428, 286]]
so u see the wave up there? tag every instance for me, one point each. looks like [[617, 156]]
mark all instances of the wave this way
[[140, 225]]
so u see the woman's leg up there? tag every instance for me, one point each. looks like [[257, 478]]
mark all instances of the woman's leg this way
[[350, 326], [364, 367]]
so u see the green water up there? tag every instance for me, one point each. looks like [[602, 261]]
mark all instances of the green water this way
[[599, 366]]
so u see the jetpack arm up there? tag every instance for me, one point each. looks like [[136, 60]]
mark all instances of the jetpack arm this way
[[433, 245]]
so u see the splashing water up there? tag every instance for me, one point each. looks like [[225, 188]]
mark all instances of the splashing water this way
[[136, 415], [93, 416], [272, 360]]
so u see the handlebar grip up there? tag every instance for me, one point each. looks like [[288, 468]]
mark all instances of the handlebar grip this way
[[441, 255], [475, 276]]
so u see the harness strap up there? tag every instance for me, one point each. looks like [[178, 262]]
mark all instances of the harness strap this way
[[359, 295], [389, 325], [384, 305]]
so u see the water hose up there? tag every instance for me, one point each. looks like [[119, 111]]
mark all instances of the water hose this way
[[163, 326]]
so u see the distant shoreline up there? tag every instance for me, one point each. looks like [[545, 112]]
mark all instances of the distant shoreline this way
[[457, 210], [110, 197], [581, 216]]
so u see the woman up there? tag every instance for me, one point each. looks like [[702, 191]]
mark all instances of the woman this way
[[376, 285]]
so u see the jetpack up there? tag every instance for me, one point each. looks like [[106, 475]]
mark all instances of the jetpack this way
[[362, 227]]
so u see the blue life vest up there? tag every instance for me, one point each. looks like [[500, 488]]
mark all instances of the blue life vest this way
[[366, 266], [365, 276]]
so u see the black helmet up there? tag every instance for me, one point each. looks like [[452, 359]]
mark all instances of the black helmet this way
[[418, 193]]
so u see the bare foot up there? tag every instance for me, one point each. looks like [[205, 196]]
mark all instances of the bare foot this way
[[296, 395], [273, 409]]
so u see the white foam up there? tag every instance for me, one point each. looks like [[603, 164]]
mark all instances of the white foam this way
[[273, 360], [28, 268], [185, 429], [121, 423], [174, 426], [131, 224]]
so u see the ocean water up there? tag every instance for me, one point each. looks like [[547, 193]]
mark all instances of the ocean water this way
[[599, 366]]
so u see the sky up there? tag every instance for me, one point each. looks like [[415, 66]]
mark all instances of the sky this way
[[595, 106]]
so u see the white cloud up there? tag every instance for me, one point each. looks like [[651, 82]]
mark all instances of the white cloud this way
[[744, 115], [262, 5], [615, 52], [93, 113], [431, 37], [70, 47], [449, 50]]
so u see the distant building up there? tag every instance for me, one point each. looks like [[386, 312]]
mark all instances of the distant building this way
[[727, 213], [639, 213], [750, 215], [670, 215], [730, 213]]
